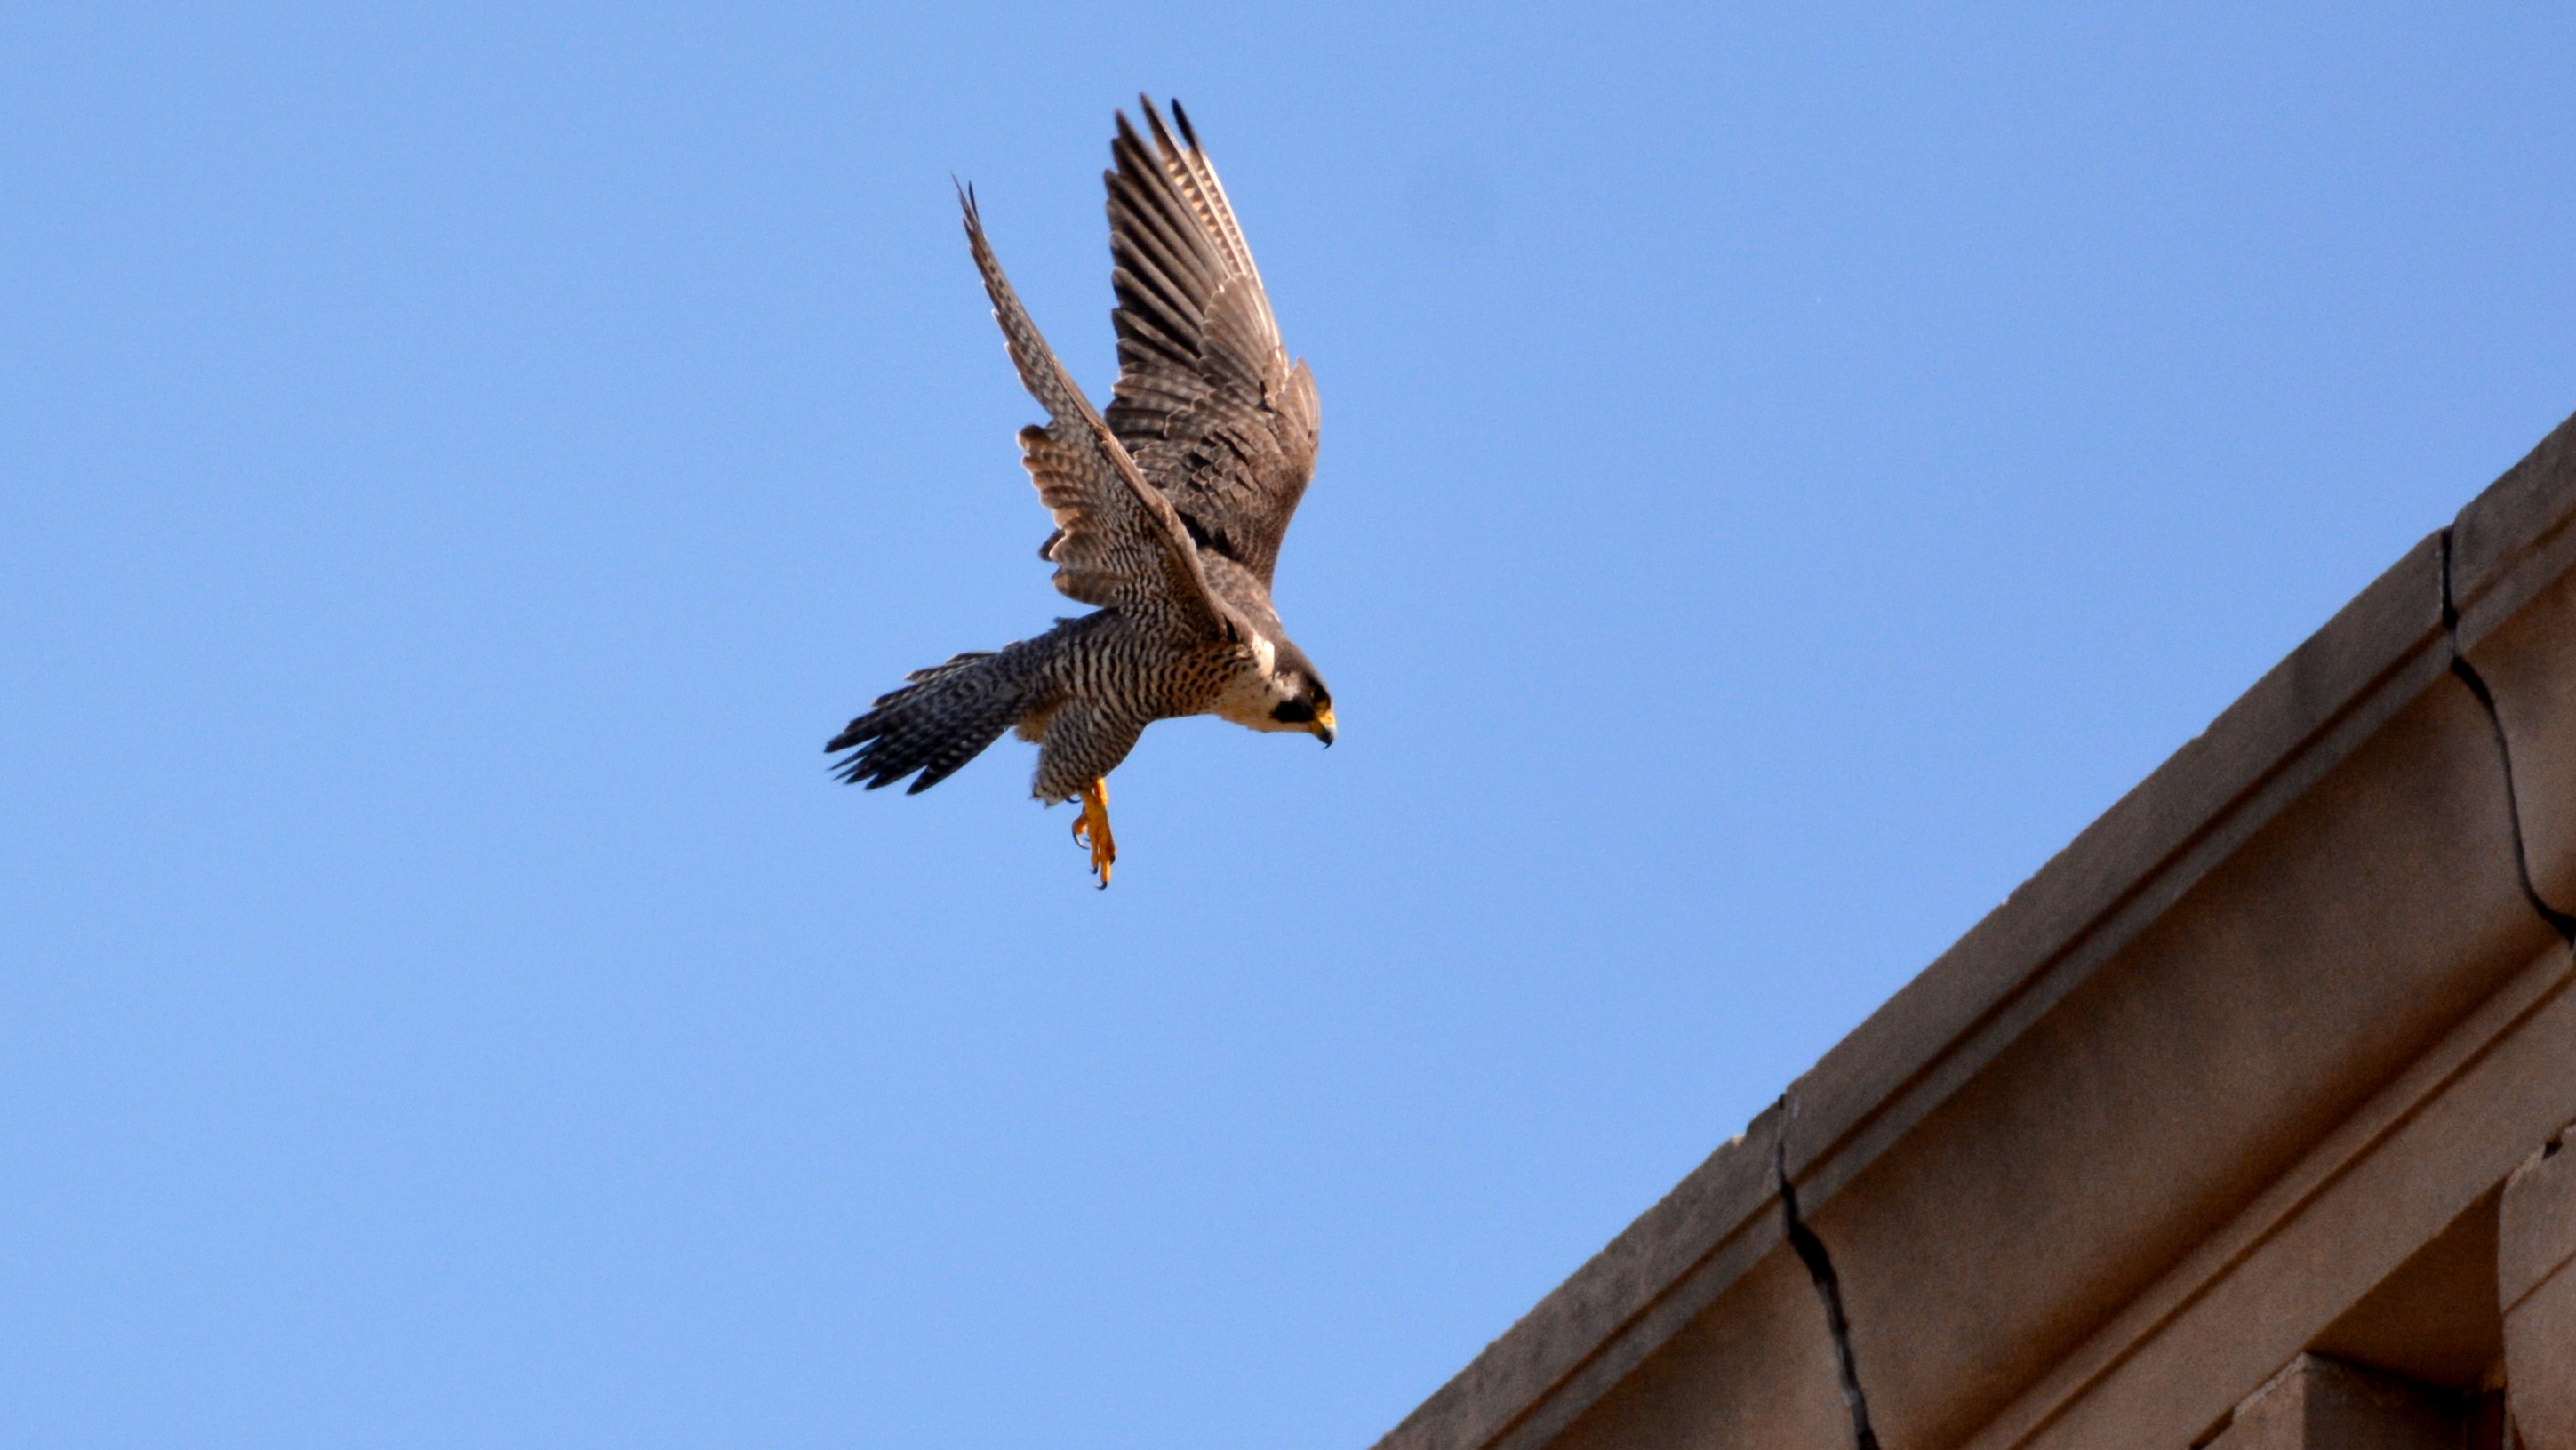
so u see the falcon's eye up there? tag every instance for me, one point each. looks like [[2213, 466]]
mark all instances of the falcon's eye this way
[[1293, 712]]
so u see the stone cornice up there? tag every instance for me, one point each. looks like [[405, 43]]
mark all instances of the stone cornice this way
[[2338, 828]]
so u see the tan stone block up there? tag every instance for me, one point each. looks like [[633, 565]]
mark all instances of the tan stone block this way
[[2235, 1057], [2320, 1404], [2536, 1282], [2435, 1320], [2297, 978]]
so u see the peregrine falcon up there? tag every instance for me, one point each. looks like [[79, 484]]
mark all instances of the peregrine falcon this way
[[1169, 508]]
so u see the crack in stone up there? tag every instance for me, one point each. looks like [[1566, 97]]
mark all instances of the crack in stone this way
[[2559, 921], [1811, 1249], [1820, 1268]]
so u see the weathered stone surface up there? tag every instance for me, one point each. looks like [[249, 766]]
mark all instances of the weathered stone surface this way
[[2321, 1238], [2224, 1065], [2516, 537], [2435, 1320], [2536, 1282], [2375, 656], [1762, 1348], [2159, 1098], [2319, 1404]]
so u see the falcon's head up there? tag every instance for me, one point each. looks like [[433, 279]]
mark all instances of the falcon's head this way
[[1292, 695]]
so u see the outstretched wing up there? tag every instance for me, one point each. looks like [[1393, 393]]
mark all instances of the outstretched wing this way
[[1118, 542], [1207, 400]]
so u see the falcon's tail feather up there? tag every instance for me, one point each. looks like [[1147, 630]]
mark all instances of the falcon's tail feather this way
[[935, 724]]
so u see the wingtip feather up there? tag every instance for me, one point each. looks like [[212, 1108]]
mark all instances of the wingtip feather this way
[[1162, 134]]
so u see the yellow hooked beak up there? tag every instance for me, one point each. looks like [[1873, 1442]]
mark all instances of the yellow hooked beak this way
[[1323, 726]]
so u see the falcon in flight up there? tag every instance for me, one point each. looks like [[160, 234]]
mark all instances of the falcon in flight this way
[[1169, 507]]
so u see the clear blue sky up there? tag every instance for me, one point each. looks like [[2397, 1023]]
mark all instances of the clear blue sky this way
[[1784, 472]]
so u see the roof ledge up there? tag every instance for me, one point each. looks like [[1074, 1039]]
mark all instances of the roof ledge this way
[[2086, 1076]]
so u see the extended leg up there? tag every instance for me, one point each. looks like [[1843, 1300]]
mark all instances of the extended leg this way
[[1091, 828]]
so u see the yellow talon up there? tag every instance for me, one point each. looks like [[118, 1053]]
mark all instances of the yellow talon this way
[[1091, 829]]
